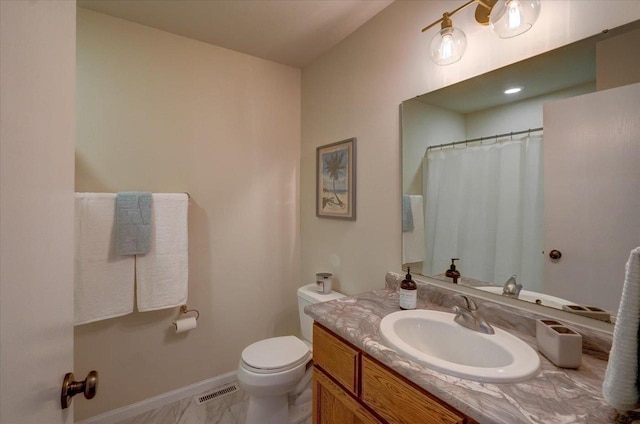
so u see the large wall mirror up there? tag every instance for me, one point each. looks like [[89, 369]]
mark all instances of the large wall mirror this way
[[541, 183]]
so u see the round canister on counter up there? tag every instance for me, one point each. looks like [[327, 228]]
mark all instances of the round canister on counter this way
[[323, 282]]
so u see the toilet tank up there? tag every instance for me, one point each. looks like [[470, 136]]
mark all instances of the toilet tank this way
[[307, 295]]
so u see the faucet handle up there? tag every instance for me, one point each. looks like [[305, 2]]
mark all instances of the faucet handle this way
[[468, 303]]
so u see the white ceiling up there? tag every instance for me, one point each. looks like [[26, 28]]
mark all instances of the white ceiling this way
[[291, 32]]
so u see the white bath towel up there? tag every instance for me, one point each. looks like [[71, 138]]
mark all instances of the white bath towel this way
[[620, 386], [413, 241], [162, 274], [103, 280]]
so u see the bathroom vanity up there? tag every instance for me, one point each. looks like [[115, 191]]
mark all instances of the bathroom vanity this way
[[350, 386], [357, 378]]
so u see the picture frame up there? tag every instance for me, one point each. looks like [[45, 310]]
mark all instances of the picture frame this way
[[336, 180]]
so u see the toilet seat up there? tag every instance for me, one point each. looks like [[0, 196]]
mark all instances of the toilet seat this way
[[275, 355]]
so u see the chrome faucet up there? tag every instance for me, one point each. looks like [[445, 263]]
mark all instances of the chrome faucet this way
[[468, 316], [511, 288]]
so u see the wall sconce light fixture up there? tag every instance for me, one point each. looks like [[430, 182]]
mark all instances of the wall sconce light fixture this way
[[507, 18]]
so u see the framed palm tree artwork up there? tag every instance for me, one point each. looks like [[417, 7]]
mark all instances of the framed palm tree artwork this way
[[336, 180]]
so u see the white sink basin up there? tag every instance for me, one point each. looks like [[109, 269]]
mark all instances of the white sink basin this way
[[531, 296], [435, 340]]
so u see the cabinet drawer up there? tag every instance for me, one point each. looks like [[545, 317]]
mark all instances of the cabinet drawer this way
[[397, 401], [336, 357]]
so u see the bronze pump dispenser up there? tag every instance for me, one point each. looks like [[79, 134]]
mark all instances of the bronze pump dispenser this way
[[408, 292], [452, 272]]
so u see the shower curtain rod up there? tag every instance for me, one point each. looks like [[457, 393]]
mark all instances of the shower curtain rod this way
[[440, 146]]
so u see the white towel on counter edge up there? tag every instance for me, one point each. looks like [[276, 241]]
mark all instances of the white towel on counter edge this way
[[620, 386], [413, 241], [103, 280], [162, 275]]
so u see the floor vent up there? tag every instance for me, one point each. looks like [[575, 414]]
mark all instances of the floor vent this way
[[217, 393]]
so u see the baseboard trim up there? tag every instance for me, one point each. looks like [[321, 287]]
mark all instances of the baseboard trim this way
[[116, 415]]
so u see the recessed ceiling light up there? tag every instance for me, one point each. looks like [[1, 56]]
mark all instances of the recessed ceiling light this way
[[513, 90]]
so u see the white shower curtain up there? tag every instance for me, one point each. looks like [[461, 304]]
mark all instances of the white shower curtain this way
[[484, 206]]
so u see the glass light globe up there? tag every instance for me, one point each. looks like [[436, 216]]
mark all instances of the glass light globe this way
[[513, 17], [448, 46]]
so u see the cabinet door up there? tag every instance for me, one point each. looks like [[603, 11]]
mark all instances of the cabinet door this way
[[336, 358], [332, 405]]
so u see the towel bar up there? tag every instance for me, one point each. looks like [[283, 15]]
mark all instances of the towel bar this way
[[185, 310]]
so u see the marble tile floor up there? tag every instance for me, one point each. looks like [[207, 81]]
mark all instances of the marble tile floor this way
[[227, 409]]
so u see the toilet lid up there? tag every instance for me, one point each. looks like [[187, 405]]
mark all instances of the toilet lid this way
[[276, 353]]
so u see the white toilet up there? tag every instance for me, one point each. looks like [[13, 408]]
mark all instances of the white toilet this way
[[272, 369]]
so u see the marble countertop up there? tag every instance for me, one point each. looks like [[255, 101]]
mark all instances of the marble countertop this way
[[555, 395]]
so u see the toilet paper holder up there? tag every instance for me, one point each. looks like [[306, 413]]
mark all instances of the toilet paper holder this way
[[182, 325], [185, 310]]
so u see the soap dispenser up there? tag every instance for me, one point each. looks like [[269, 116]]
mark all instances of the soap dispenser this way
[[452, 272], [408, 292]]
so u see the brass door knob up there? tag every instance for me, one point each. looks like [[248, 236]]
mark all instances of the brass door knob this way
[[70, 388], [555, 254]]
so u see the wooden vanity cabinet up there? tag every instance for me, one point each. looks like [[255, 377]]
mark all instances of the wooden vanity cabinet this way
[[349, 387]]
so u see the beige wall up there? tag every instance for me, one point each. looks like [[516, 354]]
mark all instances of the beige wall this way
[[355, 91], [165, 113]]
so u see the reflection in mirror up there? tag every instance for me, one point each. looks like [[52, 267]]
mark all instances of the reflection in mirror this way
[[479, 185]]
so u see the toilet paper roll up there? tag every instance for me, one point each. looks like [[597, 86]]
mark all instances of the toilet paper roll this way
[[185, 324]]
